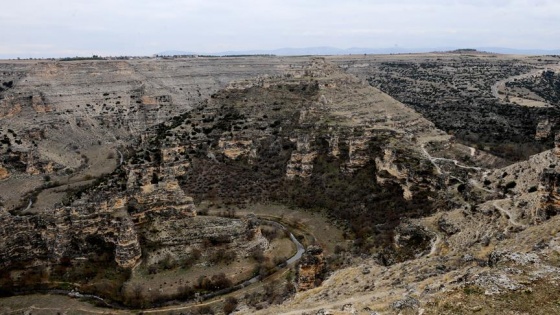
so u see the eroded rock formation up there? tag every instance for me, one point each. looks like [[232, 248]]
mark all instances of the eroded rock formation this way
[[311, 268], [549, 194]]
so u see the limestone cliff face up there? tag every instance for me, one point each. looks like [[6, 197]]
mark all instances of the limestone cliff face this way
[[301, 160], [24, 239], [549, 188], [396, 172], [549, 195], [153, 194], [311, 269], [556, 149], [235, 148], [4, 173], [544, 129], [358, 155], [246, 143], [83, 104], [127, 250]]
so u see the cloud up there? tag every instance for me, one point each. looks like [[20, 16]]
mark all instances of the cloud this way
[[145, 27]]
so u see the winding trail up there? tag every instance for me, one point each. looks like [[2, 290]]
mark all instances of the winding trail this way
[[476, 184], [121, 156], [456, 163], [430, 158], [507, 214], [29, 205], [433, 160], [501, 84]]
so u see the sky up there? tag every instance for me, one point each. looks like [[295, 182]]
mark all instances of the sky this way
[[63, 28]]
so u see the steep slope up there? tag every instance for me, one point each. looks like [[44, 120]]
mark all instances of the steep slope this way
[[318, 139], [459, 94], [432, 226], [499, 255], [314, 138], [63, 121]]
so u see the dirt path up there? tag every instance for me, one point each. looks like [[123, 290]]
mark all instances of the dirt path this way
[[502, 83], [507, 214], [430, 158], [476, 184], [433, 160]]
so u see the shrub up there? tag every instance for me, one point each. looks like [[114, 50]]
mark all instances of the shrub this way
[[231, 304], [186, 292], [511, 185]]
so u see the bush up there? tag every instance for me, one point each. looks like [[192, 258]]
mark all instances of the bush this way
[[221, 256], [186, 292], [231, 304], [215, 283], [204, 310], [511, 185]]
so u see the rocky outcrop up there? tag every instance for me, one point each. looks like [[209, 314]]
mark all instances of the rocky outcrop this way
[[556, 149], [301, 161], [4, 173], [284, 139], [549, 195], [83, 104], [447, 226], [311, 268], [233, 149], [24, 240], [387, 165], [412, 240], [358, 153], [127, 249], [159, 197], [544, 128]]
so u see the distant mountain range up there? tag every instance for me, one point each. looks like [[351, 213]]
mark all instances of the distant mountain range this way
[[358, 50]]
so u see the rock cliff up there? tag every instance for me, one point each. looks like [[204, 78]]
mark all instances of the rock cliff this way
[[311, 269]]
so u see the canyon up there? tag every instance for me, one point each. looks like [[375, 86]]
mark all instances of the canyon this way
[[162, 185]]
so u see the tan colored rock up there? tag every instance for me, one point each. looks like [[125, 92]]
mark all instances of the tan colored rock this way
[[127, 250], [235, 148], [8, 110], [39, 104], [4, 173], [398, 173], [544, 128], [556, 149], [301, 160], [149, 100], [549, 195], [358, 155], [310, 268]]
